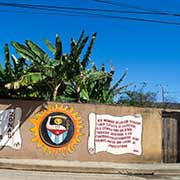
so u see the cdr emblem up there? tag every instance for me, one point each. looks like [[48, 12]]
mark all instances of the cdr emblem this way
[[57, 129]]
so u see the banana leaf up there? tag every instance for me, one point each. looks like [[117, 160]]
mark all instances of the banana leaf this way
[[58, 53], [28, 79], [65, 99], [36, 49], [25, 52], [84, 94], [80, 38], [1, 72], [119, 81], [50, 46], [89, 50]]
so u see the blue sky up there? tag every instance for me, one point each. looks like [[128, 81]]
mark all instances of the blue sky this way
[[150, 51]]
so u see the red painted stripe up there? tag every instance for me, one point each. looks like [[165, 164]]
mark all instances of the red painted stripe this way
[[56, 131]]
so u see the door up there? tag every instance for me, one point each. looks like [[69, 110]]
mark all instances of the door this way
[[170, 144]]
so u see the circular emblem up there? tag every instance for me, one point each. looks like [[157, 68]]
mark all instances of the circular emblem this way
[[57, 129]]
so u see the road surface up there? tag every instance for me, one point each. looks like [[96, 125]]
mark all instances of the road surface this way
[[38, 175]]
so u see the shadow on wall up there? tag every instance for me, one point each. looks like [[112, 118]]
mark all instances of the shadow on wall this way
[[13, 113], [27, 107]]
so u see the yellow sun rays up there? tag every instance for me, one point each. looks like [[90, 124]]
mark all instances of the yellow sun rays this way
[[37, 121]]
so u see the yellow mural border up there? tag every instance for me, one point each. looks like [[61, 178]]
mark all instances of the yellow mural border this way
[[37, 121]]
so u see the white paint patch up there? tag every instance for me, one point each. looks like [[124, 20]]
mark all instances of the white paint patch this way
[[9, 128], [116, 135]]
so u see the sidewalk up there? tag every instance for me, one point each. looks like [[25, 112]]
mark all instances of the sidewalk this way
[[90, 167]]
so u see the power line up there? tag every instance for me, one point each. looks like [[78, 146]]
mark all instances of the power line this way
[[95, 15], [145, 10], [120, 4], [74, 11], [47, 7], [140, 19], [63, 12], [54, 8], [79, 9]]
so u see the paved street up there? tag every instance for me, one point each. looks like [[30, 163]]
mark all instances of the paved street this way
[[161, 177], [37, 175]]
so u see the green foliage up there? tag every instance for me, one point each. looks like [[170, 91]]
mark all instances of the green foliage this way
[[26, 80], [42, 70], [13, 69], [138, 97], [58, 52], [53, 73], [80, 88], [95, 86], [65, 77], [8, 67]]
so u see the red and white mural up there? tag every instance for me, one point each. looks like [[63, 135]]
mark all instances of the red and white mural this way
[[116, 135], [9, 128]]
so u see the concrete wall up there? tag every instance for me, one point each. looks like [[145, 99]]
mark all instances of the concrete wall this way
[[151, 134]]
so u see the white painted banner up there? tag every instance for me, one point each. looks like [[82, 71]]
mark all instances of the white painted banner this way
[[9, 128], [116, 135]]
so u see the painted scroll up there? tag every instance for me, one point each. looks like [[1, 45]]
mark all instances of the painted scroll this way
[[116, 135], [9, 128]]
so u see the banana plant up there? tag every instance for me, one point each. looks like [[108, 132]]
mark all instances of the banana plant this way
[[109, 91], [105, 92], [13, 69], [54, 73], [95, 86], [42, 70], [80, 88], [77, 71], [65, 76], [76, 65]]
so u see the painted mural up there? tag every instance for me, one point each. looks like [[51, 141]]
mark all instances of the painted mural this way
[[57, 129], [116, 135], [9, 128]]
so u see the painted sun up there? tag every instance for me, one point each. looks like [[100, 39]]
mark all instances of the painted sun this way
[[57, 129]]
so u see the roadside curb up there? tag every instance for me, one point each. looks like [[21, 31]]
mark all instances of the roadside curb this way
[[90, 167]]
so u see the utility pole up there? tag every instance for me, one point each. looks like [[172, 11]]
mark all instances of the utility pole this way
[[162, 93]]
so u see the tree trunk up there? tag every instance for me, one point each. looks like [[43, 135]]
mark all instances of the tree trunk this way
[[78, 98], [55, 92]]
